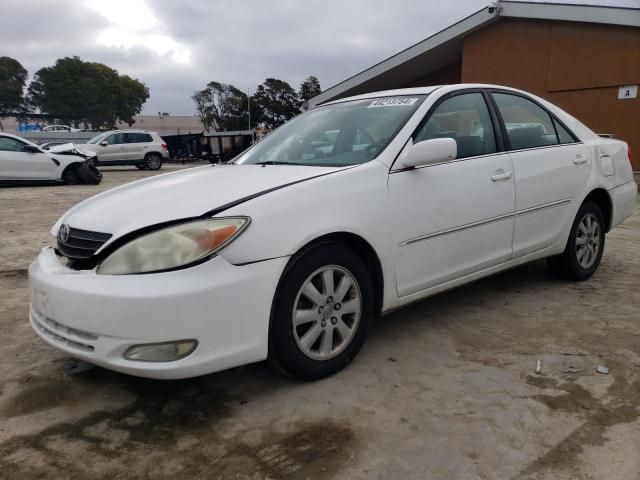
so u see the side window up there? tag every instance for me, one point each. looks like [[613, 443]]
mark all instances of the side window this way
[[466, 119], [528, 125], [563, 134], [115, 139], [10, 145], [138, 138]]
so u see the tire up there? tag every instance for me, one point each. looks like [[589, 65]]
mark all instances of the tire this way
[[579, 262], [89, 174], [336, 323], [141, 167], [153, 161], [71, 176]]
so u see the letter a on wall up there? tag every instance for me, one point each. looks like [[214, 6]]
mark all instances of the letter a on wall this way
[[627, 91]]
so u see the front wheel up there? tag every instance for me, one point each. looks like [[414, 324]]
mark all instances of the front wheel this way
[[321, 312], [583, 252], [71, 176], [153, 161]]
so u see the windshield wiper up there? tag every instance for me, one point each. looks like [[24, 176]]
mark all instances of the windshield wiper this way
[[276, 162]]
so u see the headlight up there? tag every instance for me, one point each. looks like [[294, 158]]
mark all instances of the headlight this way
[[173, 247]]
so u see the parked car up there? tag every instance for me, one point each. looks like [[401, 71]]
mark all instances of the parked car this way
[[292, 249], [59, 128], [142, 148], [24, 162]]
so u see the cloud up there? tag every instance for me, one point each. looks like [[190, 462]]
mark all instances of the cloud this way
[[176, 46], [132, 23]]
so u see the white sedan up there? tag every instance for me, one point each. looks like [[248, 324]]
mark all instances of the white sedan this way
[[349, 211], [24, 162]]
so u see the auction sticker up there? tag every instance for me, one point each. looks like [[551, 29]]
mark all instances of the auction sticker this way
[[393, 102]]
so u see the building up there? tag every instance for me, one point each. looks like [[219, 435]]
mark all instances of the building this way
[[162, 123], [585, 59]]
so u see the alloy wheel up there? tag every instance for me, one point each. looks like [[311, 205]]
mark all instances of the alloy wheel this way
[[326, 312], [588, 241], [154, 162]]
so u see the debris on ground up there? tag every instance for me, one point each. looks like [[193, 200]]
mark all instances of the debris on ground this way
[[538, 367], [601, 369], [573, 352], [573, 370], [76, 367]]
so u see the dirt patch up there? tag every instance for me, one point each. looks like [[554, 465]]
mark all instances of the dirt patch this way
[[598, 417], [313, 450], [170, 427], [14, 273], [576, 398]]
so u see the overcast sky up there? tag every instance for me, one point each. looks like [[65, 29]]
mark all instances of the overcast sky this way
[[176, 46]]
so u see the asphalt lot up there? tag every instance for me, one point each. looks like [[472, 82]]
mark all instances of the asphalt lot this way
[[444, 389]]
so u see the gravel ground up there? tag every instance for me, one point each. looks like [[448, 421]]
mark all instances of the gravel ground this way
[[444, 389]]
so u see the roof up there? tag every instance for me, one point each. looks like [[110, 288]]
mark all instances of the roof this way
[[445, 47], [389, 93]]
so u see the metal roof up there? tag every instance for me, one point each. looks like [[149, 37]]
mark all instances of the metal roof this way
[[445, 46]]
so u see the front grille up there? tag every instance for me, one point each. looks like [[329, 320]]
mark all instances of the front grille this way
[[81, 244]]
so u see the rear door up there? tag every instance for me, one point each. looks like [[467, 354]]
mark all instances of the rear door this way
[[137, 145], [551, 168]]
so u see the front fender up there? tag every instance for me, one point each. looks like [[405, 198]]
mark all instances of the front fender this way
[[282, 222]]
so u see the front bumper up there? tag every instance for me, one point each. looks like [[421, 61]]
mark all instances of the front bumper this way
[[96, 318]]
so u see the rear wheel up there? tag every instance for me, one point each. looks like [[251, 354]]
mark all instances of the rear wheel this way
[[153, 161], [321, 312], [583, 252]]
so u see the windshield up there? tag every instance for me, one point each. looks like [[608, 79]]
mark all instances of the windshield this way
[[336, 135], [98, 137]]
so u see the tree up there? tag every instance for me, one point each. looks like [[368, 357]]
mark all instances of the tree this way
[[13, 78], [309, 89], [277, 102], [204, 108], [87, 92], [221, 106]]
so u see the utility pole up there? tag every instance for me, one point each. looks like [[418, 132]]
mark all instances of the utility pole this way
[[249, 112]]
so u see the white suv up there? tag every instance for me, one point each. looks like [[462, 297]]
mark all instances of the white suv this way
[[142, 148]]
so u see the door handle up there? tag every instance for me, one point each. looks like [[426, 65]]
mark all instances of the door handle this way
[[501, 176], [580, 159]]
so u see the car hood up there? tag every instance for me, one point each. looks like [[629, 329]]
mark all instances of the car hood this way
[[72, 149], [183, 194]]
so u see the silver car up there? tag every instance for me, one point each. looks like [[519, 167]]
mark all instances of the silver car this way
[[142, 148]]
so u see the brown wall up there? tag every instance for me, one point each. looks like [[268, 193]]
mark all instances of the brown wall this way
[[443, 76], [577, 66]]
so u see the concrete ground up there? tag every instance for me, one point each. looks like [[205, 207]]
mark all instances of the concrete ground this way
[[444, 389]]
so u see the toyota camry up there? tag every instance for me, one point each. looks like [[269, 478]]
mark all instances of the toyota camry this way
[[349, 211]]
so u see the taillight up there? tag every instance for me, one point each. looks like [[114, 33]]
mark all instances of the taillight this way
[[164, 145]]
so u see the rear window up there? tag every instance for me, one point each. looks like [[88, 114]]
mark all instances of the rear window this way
[[528, 125]]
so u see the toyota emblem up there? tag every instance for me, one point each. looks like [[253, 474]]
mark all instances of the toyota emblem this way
[[63, 233]]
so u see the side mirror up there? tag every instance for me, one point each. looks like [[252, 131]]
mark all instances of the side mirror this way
[[31, 149], [104, 143], [429, 152]]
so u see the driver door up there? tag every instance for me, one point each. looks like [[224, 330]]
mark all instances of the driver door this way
[[456, 218]]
